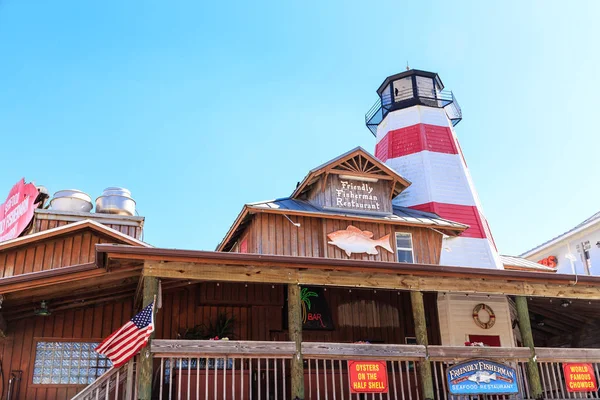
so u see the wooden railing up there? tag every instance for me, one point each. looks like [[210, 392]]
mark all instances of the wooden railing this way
[[246, 370], [218, 370], [327, 366], [114, 384], [551, 364]]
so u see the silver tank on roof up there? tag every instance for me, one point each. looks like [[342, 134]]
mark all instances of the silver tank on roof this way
[[71, 200], [115, 200]]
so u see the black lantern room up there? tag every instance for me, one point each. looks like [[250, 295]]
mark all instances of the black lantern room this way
[[412, 88]]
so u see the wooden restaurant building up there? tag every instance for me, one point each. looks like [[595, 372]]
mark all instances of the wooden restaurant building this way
[[376, 278]]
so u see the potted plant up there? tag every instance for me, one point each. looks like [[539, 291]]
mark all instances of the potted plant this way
[[219, 329]]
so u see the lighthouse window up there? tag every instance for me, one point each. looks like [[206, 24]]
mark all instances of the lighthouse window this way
[[404, 247], [403, 89]]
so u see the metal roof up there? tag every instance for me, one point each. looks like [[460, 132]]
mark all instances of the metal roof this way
[[524, 263], [410, 72], [401, 214], [588, 222]]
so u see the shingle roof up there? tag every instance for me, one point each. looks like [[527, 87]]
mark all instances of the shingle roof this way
[[401, 214], [591, 220], [523, 263]]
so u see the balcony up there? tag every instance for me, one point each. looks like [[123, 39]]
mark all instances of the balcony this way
[[227, 370], [406, 98]]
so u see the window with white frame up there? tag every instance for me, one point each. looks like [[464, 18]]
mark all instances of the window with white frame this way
[[68, 363], [404, 247]]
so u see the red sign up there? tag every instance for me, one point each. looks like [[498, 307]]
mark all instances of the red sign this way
[[17, 210], [580, 378], [551, 262], [368, 376]]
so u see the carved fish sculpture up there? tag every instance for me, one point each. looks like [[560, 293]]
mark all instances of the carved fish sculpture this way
[[482, 377], [353, 240]]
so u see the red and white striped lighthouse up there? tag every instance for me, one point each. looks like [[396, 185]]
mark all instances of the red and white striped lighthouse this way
[[413, 122]]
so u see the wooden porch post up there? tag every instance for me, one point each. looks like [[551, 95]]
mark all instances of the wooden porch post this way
[[295, 333], [533, 371], [145, 364], [418, 310]]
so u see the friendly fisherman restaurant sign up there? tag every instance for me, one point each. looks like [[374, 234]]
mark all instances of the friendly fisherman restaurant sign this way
[[482, 377]]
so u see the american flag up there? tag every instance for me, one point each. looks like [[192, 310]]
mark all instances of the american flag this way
[[123, 344]]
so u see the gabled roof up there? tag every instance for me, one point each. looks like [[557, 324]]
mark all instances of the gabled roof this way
[[594, 219], [69, 228], [357, 162], [289, 206], [515, 263]]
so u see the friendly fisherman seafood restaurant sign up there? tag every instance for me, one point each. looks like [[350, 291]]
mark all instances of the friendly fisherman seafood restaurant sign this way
[[482, 377]]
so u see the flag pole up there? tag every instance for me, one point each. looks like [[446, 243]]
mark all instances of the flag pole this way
[[150, 290]]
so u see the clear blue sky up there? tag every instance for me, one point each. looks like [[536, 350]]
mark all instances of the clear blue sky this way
[[199, 107]]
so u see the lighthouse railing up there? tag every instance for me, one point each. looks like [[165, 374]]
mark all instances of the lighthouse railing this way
[[440, 99]]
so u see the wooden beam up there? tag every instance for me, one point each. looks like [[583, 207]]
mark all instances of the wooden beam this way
[[295, 333], [137, 298], [50, 277], [365, 279], [567, 317], [418, 310], [533, 372], [222, 348], [73, 287], [548, 354], [454, 353], [344, 351], [361, 174], [145, 382], [27, 312]]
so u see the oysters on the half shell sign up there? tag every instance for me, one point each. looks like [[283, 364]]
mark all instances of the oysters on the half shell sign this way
[[353, 240]]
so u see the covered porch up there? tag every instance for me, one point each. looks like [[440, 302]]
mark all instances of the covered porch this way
[[287, 365]]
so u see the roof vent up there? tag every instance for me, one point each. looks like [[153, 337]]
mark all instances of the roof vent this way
[[71, 200], [115, 200]]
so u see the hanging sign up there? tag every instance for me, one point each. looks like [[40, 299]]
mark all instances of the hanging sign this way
[[17, 211], [580, 378], [315, 311], [482, 377], [368, 376], [551, 261]]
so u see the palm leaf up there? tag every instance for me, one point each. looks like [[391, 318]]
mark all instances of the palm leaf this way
[[305, 296]]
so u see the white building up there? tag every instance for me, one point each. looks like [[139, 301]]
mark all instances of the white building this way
[[576, 251]]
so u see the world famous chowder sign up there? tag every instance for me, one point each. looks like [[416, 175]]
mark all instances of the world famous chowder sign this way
[[17, 211], [482, 377]]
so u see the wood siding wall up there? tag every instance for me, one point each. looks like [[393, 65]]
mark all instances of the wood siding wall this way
[[328, 197], [72, 249], [87, 325], [259, 314], [456, 319], [274, 234], [40, 225]]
